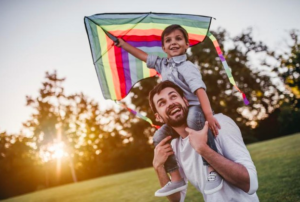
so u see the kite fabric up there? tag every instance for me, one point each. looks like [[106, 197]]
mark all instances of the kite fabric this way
[[117, 70], [139, 115]]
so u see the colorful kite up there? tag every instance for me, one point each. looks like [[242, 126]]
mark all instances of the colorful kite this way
[[118, 70]]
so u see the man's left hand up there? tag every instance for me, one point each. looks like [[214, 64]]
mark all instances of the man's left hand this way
[[198, 139]]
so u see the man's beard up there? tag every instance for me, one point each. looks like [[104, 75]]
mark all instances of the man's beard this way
[[178, 121]]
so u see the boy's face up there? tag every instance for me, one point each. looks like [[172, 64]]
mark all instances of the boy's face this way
[[171, 108], [175, 44]]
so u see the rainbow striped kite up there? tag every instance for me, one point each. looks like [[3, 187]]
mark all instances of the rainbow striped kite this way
[[118, 70]]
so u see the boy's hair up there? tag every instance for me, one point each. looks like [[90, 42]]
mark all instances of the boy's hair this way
[[158, 88], [172, 28]]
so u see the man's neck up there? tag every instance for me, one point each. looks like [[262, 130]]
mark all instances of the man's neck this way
[[181, 131]]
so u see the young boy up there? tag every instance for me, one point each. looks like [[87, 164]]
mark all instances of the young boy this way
[[186, 75]]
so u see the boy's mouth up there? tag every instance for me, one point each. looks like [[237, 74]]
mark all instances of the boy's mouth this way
[[174, 48]]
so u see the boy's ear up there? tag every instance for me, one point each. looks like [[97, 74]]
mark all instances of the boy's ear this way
[[187, 45], [158, 118]]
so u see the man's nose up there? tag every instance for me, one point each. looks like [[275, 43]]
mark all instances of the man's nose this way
[[170, 103]]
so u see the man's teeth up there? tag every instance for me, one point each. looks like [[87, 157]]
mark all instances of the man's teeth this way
[[175, 110]]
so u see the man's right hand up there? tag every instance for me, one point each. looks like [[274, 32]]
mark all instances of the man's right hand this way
[[161, 153]]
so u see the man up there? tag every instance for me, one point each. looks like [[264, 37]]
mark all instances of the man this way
[[234, 164]]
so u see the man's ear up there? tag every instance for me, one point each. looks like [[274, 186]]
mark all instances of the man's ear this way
[[186, 101], [158, 118]]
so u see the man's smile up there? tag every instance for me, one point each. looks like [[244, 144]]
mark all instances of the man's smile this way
[[174, 109]]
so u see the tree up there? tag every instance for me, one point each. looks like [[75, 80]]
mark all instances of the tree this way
[[284, 119], [17, 165]]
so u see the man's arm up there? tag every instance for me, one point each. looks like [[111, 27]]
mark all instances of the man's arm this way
[[161, 153], [133, 50], [232, 172]]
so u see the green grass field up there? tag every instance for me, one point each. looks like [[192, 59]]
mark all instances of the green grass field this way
[[277, 162]]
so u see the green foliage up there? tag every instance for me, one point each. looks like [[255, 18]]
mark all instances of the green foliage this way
[[285, 118], [276, 161], [224, 98], [289, 68]]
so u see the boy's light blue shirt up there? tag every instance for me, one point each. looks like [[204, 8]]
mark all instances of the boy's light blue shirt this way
[[181, 72]]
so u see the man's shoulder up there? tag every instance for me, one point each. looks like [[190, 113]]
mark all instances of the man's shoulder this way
[[226, 120], [229, 129]]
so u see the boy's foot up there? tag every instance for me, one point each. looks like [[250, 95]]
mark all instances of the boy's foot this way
[[171, 188], [214, 183]]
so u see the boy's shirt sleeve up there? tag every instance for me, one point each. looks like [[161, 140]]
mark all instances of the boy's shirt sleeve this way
[[154, 62], [192, 76]]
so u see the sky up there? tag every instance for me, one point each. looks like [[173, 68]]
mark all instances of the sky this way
[[38, 36]]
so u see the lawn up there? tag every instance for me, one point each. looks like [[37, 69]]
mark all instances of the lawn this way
[[277, 162]]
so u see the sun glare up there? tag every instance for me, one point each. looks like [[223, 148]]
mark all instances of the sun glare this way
[[52, 151]]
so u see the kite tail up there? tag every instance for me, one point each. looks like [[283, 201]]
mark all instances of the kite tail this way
[[225, 65], [139, 115]]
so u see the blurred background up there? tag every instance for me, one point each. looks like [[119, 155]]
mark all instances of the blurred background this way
[[55, 126]]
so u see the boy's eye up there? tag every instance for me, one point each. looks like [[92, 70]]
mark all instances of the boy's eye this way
[[178, 38]]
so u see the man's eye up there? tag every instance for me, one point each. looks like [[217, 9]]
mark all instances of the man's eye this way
[[161, 104], [173, 96]]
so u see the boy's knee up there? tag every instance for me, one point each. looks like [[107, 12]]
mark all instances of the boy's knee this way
[[161, 134], [195, 119]]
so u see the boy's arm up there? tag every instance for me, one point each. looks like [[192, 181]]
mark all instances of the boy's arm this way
[[132, 50], [205, 104]]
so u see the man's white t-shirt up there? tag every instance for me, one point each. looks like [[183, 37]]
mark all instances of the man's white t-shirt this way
[[230, 145]]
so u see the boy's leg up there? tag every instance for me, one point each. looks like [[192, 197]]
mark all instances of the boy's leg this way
[[171, 163], [177, 183], [196, 121]]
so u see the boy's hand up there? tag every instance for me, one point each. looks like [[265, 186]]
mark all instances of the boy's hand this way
[[121, 42], [213, 124], [132, 50]]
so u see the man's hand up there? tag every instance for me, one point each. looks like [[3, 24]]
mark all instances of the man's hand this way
[[161, 152], [213, 124], [198, 139]]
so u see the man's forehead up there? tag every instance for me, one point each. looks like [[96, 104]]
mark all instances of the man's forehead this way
[[164, 94]]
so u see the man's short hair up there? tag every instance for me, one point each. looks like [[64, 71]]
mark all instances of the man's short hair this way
[[158, 88], [168, 30]]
